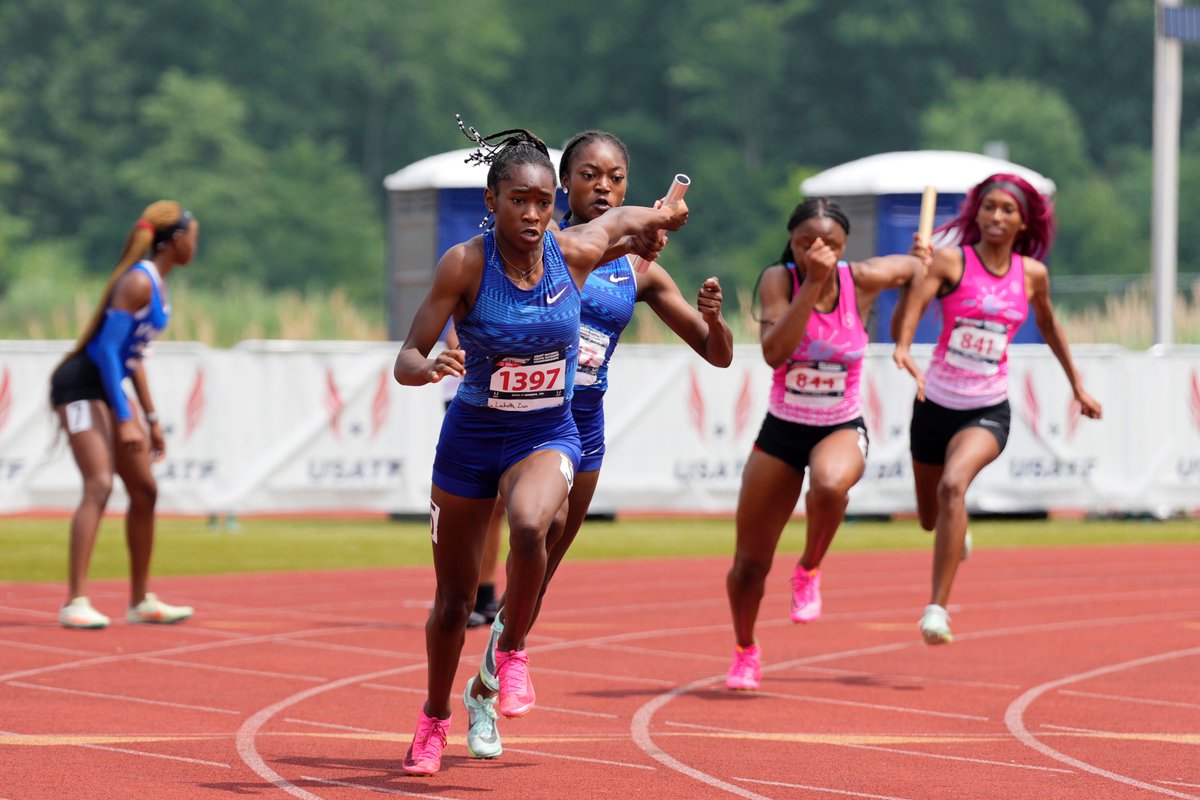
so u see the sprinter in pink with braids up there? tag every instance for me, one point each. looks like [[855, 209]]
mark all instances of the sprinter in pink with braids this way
[[987, 283]]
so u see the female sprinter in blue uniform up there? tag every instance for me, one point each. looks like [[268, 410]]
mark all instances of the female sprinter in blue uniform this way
[[513, 293], [593, 172], [104, 432]]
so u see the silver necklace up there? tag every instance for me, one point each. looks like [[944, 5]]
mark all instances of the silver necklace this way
[[521, 274]]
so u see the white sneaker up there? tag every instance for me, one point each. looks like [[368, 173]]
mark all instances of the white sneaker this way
[[483, 737], [79, 614], [935, 625], [151, 609]]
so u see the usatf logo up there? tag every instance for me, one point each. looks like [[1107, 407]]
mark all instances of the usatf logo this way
[[335, 406], [699, 415], [1050, 467], [349, 430], [722, 434]]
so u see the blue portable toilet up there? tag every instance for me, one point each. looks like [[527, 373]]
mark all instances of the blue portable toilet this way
[[882, 196], [433, 204]]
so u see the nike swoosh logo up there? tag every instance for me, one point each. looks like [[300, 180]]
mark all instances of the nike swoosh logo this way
[[551, 299], [615, 279]]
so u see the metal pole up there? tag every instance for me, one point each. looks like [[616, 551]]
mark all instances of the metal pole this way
[[1164, 207]]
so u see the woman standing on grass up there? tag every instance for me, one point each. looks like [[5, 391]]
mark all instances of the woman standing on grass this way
[[813, 306], [593, 172], [105, 433], [513, 293], [961, 416]]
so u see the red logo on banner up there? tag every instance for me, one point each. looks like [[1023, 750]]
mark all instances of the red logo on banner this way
[[193, 412], [5, 398], [379, 406], [698, 413], [1194, 399], [696, 405], [874, 408], [333, 403], [741, 412], [1031, 405]]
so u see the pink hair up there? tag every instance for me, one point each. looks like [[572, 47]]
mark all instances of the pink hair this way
[[1036, 212]]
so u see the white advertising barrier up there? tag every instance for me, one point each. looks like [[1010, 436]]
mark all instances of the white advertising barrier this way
[[679, 432], [262, 428], [293, 427]]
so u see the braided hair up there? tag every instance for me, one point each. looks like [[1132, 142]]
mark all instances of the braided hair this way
[[811, 208], [516, 147]]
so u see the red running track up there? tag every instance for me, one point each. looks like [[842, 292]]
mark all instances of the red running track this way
[[1074, 674]]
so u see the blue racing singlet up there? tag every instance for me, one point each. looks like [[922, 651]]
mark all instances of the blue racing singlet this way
[[120, 343], [522, 345]]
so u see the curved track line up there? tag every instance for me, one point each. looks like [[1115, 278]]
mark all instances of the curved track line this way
[[1014, 718], [248, 732], [640, 726]]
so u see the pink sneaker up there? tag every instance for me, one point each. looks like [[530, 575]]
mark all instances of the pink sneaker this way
[[516, 690], [806, 594], [746, 670], [424, 756]]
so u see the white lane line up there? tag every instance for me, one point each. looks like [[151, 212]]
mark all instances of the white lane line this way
[[843, 792], [350, 648], [640, 725], [604, 761], [122, 698], [366, 788], [650, 651], [897, 677], [1014, 718], [333, 726], [132, 752], [604, 676], [248, 732], [967, 737], [1178, 783], [1126, 699], [804, 698], [257, 673], [42, 648], [406, 690]]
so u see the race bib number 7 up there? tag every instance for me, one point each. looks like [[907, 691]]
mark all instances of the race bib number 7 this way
[[977, 346], [527, 383]]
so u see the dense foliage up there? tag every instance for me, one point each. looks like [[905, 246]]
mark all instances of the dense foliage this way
[[277, 122]]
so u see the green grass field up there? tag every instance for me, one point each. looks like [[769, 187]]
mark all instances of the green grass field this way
[[36, 549]]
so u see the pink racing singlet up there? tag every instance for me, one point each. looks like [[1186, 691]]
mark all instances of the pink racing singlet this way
[[980, 316], [818, 384]]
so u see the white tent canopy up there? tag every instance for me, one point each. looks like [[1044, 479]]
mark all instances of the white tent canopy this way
[[445, 171], [909, 172]]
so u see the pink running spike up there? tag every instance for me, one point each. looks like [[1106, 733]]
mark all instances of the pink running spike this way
[[746, 670], [516, 689], [424, 756], [806, 594]]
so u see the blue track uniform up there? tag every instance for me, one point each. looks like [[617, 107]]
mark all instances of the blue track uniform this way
[[115, 351], [522, 348], [609, 296]]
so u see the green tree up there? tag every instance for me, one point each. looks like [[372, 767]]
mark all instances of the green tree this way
[[1042, 131]]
